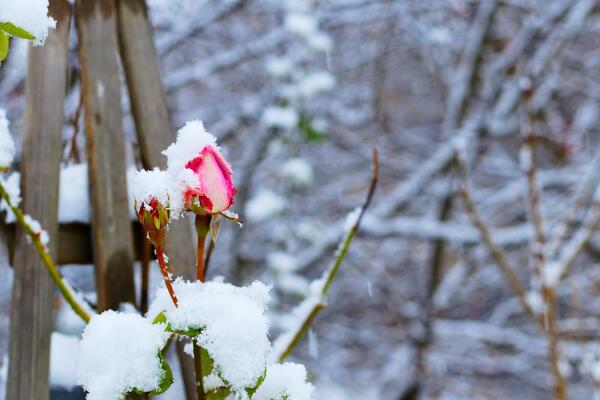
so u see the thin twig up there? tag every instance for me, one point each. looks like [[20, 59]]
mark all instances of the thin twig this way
[[486, 236], [64, 289], [560, 385], [538, 250], [329, 276], [585, 190], [165, 273], [529, 162], [577, 243], [74, 149]]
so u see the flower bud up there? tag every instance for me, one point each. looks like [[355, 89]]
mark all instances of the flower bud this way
[[154, 217], [214, 191], [206, 178], [152, 194]]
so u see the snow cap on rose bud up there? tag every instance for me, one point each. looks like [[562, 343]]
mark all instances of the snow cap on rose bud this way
[[152, 194], [203, 175]]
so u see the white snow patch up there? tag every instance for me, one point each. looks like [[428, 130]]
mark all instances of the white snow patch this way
[[31, 15], [352, 219], [64, 352], [440, 35], [74, 203], [293, 322], [535, 301], [316, 83], [293, 283], [119, 352], [320, 41], [11, 185], [279, 67], [233, 325], [146, 185], [3, 375], [525, 158], [551, 274], [300, 24], [285, 382], [280, 117], [298, 172], [191, 140], [66, 321], [282, 262], [264, 205], [7, 145], [36, 227]]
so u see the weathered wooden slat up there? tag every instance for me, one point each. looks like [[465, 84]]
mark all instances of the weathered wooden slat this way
[[98, 50], [154, 132], [146, 93], [31, 313], [151, 115]]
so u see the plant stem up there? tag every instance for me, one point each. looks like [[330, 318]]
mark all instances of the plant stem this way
[[165, 273], [198, 369], [200, 259], [332, 271], [64, 289], [560, 384], [146, 253], [202, 229]]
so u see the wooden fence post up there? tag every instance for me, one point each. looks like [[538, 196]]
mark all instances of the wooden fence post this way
[[154, 132], [31, 313], [151, 115], [98, 49]]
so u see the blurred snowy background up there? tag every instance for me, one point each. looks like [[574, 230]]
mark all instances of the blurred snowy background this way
[[298, 92]]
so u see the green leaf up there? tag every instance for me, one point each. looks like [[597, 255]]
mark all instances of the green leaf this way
[[254, 388], [215, 227], [160, 319], [191, 332], [15, 31], [310, 132], [218, 394], [167, 378], [165, 381], [207, 362], [4, 44]]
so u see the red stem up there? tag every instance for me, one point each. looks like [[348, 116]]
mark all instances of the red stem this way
[[200, 260], [163, 269]]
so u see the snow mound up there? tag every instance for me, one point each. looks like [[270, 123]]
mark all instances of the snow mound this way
[[232, 322], [191, 139], [285, 382], [119, 353]]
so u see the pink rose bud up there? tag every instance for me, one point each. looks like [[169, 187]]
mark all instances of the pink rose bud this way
[[205, 176], [215, 189]]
